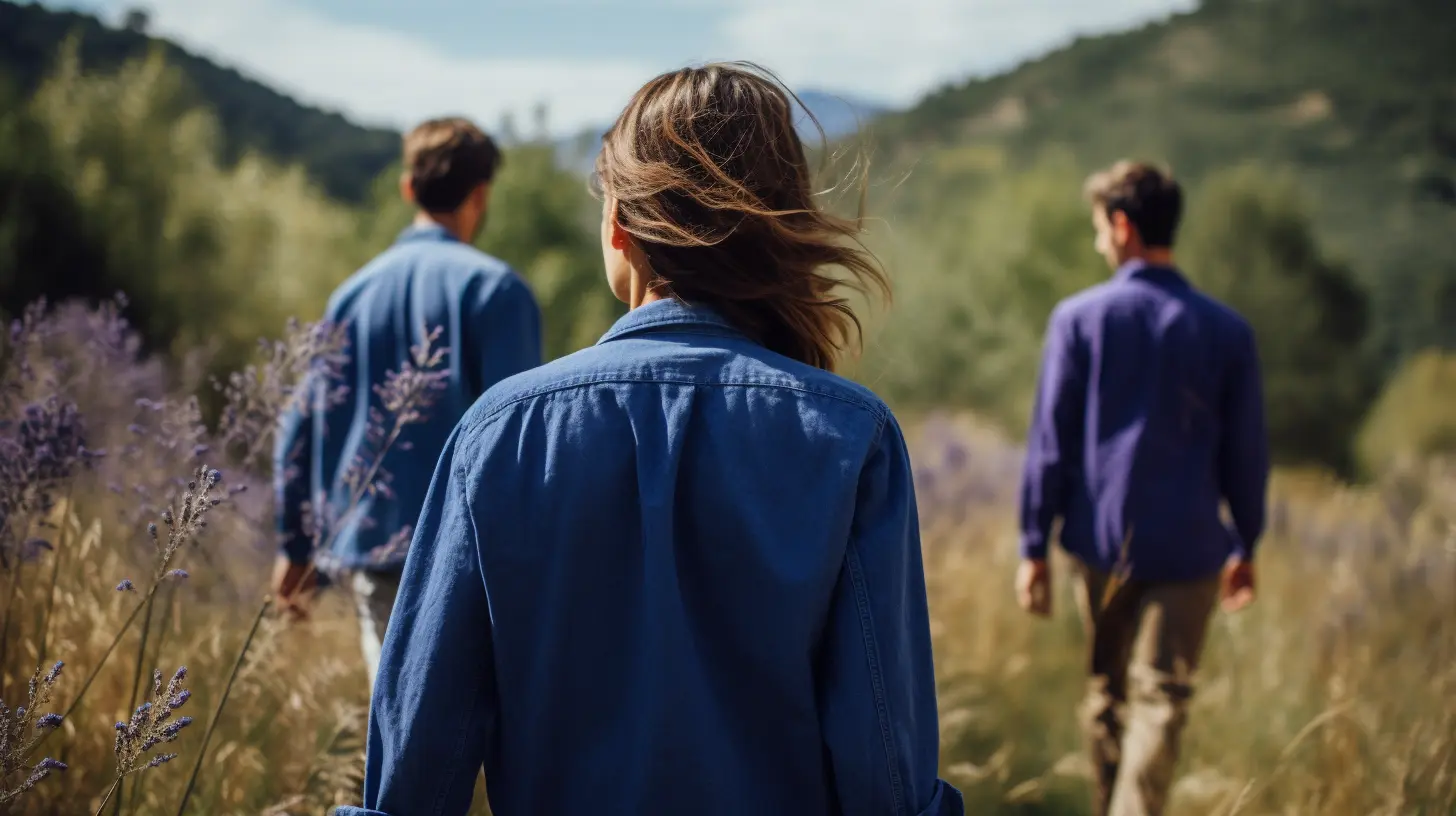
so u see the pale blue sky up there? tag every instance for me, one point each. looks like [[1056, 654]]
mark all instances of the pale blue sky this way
[[396, 61]]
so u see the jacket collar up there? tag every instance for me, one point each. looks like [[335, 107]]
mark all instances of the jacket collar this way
[[670, 313], [425, 232], [1139, 269]]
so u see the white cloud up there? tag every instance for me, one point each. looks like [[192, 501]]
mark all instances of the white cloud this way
[[896, 50], [385, 77], [890, 50]]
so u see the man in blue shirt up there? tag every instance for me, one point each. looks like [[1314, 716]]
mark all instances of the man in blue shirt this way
[[1149, 417], [430, 280]]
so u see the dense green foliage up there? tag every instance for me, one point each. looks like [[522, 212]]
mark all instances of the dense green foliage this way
[[1349, 108], [1413, 419], [342, 157], [1317, 140], [977, 284], [114, 182], [1250, 244]]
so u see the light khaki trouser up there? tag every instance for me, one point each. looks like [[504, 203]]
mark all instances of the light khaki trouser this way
[[374, 594], [1145, 639]]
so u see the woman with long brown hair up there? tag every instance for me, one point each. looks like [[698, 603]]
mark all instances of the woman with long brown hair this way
[[680, 571]]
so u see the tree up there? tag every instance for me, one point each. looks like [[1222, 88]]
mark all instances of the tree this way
[[974, 288], [138, 20], [1412, 420], [1249, 243]]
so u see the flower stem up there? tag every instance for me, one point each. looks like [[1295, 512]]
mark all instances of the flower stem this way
[[107, 798], [15, 569], [102, 662], [136, 681], [60, 553], [222, 701]]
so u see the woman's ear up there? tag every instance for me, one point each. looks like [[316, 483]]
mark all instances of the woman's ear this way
[[621, 239]]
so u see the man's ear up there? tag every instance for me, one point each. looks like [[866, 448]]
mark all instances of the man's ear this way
[[1122, 228], [481, 195], [406, 187]]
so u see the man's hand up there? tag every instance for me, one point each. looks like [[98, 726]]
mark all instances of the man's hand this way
[[1034, 587], [1238, 585], [293, 585]]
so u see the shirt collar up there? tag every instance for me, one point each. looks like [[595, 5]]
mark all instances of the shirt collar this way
[[1139, 269], [424, 232], [669, 313]]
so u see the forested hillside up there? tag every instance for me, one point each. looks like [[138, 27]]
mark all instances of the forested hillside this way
[[341, 156], [1318, 141]]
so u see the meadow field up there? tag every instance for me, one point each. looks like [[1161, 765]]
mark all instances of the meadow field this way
[[1335, 694], [1317, 143]]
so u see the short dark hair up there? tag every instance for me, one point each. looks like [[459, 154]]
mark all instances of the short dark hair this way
[[446, 159], [1149, 197]]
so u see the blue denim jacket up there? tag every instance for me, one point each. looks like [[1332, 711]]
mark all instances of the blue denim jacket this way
[[428, 280], [1149, 415], [672, 573]]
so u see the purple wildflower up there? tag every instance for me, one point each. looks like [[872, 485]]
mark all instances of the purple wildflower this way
[[41, 771], [179, 574], [151, 726], [33, 547], [49, 721], [126, 586], [170, 732]]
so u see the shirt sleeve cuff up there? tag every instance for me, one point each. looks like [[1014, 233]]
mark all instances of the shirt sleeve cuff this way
[[296, 549], [1033, 547], [348, 810]]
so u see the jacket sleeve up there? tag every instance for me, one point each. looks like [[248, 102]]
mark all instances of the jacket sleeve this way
[[1243, 457], [292, 477], [875, 679], [503, 334], [433, 715], [1053, 436]]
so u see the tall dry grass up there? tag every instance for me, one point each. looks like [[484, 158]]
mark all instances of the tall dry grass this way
[[1335, 694]]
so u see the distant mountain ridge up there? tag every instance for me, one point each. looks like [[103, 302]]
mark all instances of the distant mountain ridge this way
[[840, 115], [342, 156]]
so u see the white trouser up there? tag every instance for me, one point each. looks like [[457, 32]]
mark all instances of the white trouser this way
[[374, 594]]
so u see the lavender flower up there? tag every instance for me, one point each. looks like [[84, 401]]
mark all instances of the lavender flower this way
[[178, 574], [21, 730], [126, 586], [39, 452], [298, 374], [33, 547], [406, 395], [394, 550], [41, 770], [152, 725]]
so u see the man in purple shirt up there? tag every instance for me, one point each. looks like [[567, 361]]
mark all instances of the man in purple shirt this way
[[1149, 418]]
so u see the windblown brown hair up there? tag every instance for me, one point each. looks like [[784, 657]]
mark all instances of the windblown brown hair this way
[[710, 177]]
